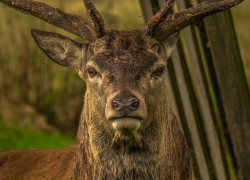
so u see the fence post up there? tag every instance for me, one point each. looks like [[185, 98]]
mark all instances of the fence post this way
[[231, 88]]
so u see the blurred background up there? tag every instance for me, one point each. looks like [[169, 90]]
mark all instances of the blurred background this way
[[40, 101]]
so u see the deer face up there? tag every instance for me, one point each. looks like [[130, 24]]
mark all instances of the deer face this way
[[123, 72]]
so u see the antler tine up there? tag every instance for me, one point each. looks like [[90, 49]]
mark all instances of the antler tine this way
[[96, 18], [158, 18], [178, 21], [69, 22]]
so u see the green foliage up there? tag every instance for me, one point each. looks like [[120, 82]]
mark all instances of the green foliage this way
[[241, 15], [14, 137]]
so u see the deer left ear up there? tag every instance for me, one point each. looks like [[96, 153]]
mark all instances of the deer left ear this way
[[60, 49], [169, 43]]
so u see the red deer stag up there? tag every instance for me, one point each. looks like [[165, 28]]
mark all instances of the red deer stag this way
[[127, 129]]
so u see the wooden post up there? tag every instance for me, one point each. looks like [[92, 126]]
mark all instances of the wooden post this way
[[232, 92]]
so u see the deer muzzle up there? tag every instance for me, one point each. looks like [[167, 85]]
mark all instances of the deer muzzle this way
[[126, 110]]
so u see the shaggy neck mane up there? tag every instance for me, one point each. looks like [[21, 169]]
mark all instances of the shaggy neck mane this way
[[150, 155]]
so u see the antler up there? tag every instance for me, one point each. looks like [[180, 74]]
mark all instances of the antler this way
[[96, 18], [161, 25], [69, 22], [158, 18]]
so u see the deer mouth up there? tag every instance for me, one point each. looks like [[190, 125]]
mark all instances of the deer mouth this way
[[126, 124]]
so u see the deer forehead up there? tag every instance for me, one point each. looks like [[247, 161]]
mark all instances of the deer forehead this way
[[125, 51], [107, 61]]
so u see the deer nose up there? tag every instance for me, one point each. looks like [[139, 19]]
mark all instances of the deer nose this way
[[131, 105]]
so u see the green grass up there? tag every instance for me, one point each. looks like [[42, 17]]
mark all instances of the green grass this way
[[13, 137]]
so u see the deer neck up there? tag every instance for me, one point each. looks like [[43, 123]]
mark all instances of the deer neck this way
[[97, 158]]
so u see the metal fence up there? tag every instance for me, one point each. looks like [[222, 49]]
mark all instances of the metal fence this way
[[209, 94]]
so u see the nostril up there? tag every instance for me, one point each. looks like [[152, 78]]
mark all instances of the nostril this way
[[131, 105], [135, 104], [115, 105]]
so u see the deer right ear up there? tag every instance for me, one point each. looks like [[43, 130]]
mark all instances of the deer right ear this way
[[60, 49]]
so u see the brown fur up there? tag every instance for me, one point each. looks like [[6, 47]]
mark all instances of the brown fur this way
[[34, 164], [126, 63]]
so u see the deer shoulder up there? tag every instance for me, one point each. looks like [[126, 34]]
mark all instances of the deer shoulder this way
[[34, 164]]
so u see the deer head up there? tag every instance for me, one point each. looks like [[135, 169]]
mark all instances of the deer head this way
[[126, 119], [123, 71]]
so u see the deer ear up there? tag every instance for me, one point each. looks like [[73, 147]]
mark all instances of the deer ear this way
[[169, 43], [60, 49]]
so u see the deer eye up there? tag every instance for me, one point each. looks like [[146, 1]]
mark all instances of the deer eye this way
[[158, 72], [92, 72]]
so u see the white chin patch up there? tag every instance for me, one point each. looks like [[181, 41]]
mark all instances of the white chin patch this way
[[126, 124]]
